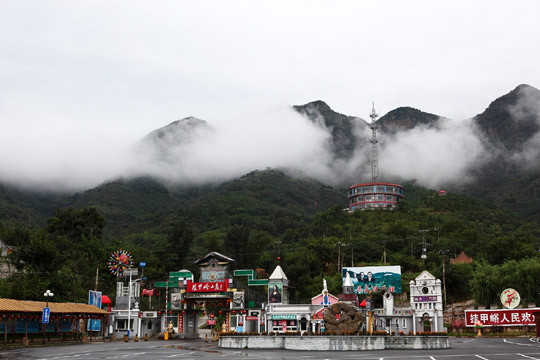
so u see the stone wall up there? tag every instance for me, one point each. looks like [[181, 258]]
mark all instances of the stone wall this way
[[338, 343]]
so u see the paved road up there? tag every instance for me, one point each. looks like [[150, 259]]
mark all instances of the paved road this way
[[461, 349]]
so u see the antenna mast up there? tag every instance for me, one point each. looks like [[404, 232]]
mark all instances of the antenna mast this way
[[374, 141]]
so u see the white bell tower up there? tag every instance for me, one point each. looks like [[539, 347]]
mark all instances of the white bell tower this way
[[427, 303]]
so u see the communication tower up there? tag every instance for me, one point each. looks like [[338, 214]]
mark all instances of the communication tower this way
[[374, 194], [374, 141]]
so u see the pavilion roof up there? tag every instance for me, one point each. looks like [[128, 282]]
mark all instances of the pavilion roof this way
[[25, 306], [215, 254]]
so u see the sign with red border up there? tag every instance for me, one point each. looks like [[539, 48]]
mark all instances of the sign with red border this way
[[501, 317]]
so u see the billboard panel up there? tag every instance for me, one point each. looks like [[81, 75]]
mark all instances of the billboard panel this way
[[374, 279], [94, 298]]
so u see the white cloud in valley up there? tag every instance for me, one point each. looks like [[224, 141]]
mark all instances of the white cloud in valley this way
[[434, 155]]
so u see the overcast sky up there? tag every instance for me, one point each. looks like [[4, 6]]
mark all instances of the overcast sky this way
[[82, 79]]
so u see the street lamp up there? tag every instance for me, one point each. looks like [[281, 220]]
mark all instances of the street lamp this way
[[129, 301], [47, 294]]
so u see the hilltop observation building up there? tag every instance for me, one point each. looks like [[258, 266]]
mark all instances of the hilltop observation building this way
[[374, 194]]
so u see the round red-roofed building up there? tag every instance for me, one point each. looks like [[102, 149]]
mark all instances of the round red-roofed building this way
[[374, 195]]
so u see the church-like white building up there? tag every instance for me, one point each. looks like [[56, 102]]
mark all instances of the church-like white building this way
[[425, 312]]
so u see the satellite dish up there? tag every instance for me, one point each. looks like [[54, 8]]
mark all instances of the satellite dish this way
[[510, 298]]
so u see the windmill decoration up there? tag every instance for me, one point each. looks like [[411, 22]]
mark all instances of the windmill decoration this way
[[119, 261]]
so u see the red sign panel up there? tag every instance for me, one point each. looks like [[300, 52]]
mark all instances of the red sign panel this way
[[252, 318], [211, 322], [197, 287], [180, 323], [507, 317]]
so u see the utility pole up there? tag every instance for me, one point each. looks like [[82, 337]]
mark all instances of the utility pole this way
[[352, 250], [444, 280], [424, 246], [445, 257], [384, 251], [339, 244]]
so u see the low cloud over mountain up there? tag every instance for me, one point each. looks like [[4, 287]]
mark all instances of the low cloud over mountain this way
[[307, 140]]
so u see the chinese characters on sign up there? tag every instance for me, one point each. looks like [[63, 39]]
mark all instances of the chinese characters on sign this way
[[180, 323], [283, 317], [424, 298], [206, 286], [500, 317]]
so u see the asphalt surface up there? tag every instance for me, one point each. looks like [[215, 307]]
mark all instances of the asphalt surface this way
[[461, 349]]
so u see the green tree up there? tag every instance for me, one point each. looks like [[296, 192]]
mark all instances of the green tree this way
[[236, 241], [77, 223], [177, 248]]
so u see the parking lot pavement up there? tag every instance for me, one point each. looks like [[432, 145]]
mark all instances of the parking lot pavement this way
[[461, 349]]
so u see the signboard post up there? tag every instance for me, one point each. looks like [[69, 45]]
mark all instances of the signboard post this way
[[45, 320]]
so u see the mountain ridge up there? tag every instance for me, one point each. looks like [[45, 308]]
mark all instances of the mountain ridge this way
[[499, 180]]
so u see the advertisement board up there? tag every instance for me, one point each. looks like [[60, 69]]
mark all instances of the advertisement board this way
[[374, 279], [501, 317], [94, 298]]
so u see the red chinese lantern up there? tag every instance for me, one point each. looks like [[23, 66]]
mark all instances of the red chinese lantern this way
[[234, 311], [220, 312]]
